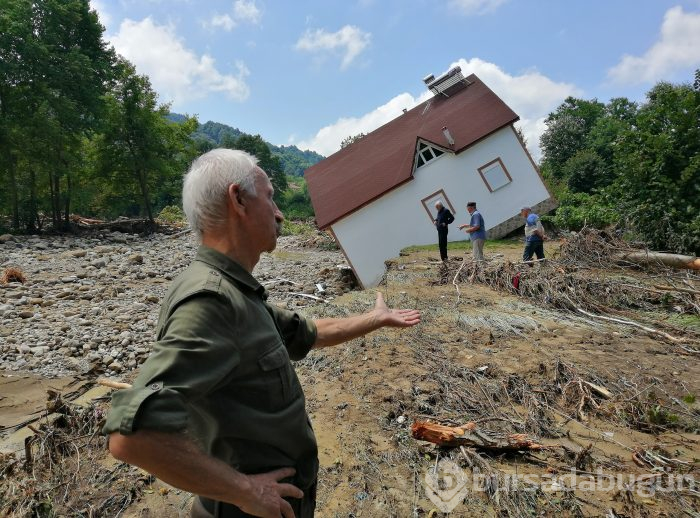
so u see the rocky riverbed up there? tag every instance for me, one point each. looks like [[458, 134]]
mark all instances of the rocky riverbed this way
[[91, 303]]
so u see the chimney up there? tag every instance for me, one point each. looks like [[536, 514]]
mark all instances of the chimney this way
[[448, 136]]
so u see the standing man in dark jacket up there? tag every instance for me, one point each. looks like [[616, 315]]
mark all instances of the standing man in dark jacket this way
[[444, 217]]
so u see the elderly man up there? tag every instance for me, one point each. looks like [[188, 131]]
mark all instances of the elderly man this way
[[534, 235], [476, 230], [443, 218], [217, 409]]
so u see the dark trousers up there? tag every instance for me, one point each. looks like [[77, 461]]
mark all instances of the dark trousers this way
[[206, 508], [533, 247], [442, 242]]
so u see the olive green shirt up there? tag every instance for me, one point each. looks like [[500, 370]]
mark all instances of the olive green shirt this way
[[220, 370]]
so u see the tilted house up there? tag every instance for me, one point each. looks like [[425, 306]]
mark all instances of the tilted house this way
[[378, 194]]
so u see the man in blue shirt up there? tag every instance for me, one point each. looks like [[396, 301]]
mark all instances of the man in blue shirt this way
[[444, 217], [534, 235], [476, 230]]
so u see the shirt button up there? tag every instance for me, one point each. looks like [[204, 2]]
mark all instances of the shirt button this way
[[156, 386], [215, 274]]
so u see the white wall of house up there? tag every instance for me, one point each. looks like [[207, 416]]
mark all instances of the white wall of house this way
[[378, 231]]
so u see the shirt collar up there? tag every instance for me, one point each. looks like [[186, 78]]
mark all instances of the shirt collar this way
[[230, 268]]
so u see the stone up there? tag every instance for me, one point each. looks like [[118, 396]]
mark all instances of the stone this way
[[135, 259]]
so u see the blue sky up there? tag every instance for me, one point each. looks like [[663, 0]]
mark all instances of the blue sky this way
[[310, 73]]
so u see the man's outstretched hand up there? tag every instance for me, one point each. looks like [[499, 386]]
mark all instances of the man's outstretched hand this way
[[394, 317]]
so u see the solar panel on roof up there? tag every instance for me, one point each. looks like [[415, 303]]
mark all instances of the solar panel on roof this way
[[448, 83]]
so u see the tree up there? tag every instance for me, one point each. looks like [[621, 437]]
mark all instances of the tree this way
[[255, 145], [138, 143], [350, 140], [585, 172], [54, 62], [658, 162], [567, 130]]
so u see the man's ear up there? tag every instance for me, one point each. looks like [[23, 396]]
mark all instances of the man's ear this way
[[235, 196]]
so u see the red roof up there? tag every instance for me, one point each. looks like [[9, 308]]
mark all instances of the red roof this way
[[383, 159]]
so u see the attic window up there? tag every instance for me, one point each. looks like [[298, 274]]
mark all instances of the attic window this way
[[495, 175], [426, 153]]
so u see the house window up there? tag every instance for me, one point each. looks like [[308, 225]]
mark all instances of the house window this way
[[429, 203], [495, 175], [426, 153]]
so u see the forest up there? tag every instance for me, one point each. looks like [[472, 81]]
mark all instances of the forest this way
[[81, 132]]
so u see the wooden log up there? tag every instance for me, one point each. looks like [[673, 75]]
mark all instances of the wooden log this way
[[601, 391], [113, 384], [672, 260], [469, 435]]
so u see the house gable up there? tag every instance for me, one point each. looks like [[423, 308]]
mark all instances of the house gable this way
[[386, 158]]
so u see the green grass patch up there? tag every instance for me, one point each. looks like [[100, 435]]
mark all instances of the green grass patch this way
[[297, 228], [691, 322], [490, 244]]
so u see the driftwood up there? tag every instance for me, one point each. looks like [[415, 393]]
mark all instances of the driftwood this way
[[113, 384], [632, 323], [469, 435], [672, 260], [127, 226]]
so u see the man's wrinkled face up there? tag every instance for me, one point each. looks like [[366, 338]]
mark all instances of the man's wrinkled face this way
[[264, 218]]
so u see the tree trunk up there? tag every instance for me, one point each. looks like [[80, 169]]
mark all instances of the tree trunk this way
[[469, 435], [33, 219], [145, 195], [69, 187], [672, 260], [13, 190]]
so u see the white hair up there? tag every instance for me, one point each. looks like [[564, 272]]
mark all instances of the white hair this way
[[205, 187]]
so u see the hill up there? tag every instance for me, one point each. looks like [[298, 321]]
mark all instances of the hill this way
[[294, 161]]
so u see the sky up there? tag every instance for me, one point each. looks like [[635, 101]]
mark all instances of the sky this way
[[310, 73]]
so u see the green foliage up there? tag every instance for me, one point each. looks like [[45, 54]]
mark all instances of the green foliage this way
[[295, 203], [172, 214], [255, 145], [577, 210], [293, 161], [689, 399], [634, 166], [659, 416], [297, 227], [585, 172], [55, 67], [350, 140]]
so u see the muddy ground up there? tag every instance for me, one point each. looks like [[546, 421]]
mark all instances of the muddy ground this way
[[615, 407]]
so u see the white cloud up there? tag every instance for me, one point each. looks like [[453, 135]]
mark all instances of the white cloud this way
[[102, 13], [470, 7], [349, 41], [246, 11], [677, 48], [531, 95], [221, 20], [176, 72], [328, 139], [243, 12]]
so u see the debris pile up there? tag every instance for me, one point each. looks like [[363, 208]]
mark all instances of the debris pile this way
[[589, 276]]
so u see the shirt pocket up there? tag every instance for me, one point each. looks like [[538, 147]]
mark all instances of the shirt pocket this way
[[276, 376]]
